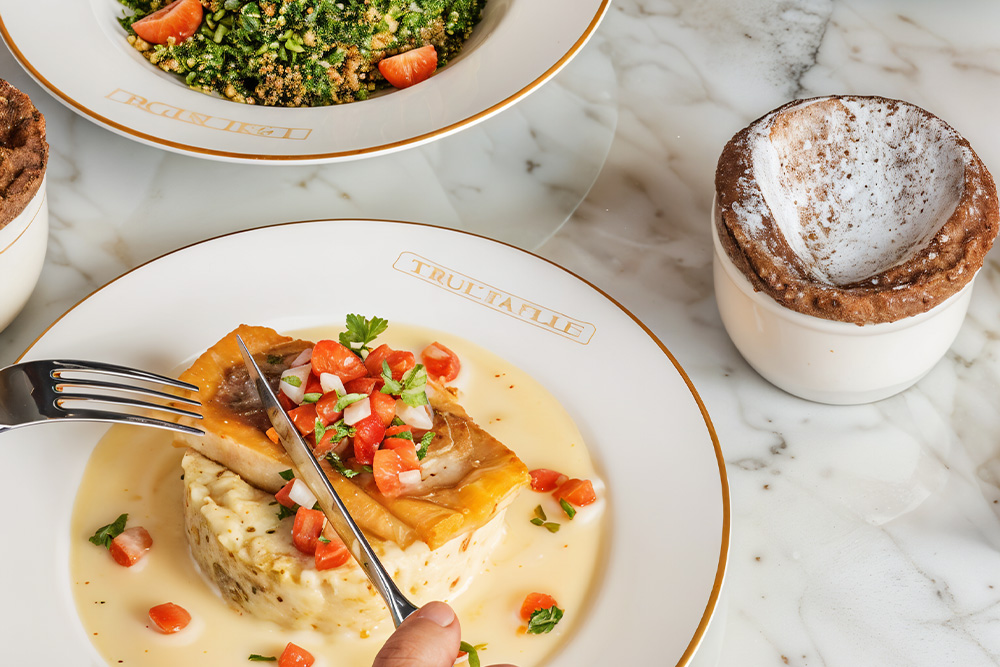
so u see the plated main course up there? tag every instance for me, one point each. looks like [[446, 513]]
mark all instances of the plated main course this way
[[432, 489]]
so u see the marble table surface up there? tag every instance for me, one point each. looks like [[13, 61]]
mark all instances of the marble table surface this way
[[863, 535]]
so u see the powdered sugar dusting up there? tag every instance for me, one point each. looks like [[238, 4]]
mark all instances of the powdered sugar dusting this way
[[856, 186]]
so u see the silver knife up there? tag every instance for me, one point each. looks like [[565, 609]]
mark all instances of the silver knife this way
[[308, 470]]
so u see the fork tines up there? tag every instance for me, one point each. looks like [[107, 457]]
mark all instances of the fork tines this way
[[73, 391]]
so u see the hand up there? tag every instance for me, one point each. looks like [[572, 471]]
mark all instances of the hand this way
[[427, 638]]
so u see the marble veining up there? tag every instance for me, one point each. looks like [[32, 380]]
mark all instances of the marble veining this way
[[864, 535]]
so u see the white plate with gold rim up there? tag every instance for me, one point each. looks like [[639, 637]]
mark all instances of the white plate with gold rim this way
[[667, 512], [78, 52]]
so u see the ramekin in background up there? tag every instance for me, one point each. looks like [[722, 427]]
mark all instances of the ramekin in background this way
[[828, 361], [23, 242]]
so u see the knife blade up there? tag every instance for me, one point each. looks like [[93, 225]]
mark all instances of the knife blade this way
[[308, 470]]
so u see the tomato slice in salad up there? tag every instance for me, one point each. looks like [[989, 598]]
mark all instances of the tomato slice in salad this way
[[178, 20], [409, 67]]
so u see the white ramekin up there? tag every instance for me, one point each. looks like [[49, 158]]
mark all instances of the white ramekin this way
[[22, 252], [827, 361]]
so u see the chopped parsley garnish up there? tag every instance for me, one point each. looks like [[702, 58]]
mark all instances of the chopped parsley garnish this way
[[472, 651], [105, 534], [543, 620], [312, 397], [569, 509], [254, 657], [541, 520], [337, 464], [274, 359], [421, 447], [293, 380], [412, 388], [283, 511], [348, 399], [361, 331], [287, 475], [425, 442]]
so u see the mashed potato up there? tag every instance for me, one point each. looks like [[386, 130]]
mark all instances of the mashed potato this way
[[247, 552]]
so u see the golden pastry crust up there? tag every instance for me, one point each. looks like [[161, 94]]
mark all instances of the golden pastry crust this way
[[939, 263], [23, 151]]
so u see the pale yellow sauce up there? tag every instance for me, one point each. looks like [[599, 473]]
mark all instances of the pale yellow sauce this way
[[138, 472]]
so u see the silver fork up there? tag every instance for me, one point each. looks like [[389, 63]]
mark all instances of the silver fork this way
[[35, 392]]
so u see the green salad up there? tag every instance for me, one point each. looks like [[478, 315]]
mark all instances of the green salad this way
[[296, 52]]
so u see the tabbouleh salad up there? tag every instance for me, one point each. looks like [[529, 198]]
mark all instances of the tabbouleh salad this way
[[302, 52]]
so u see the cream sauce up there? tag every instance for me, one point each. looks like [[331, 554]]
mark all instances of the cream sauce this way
[[136, 471]]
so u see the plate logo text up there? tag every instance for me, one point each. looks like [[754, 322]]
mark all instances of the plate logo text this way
[[204, 120], [494, 298]]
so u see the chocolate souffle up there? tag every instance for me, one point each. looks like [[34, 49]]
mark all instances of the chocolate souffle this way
[[24, 151], [855, 209]]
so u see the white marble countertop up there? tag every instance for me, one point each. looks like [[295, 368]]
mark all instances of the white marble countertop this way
[[863, 535]]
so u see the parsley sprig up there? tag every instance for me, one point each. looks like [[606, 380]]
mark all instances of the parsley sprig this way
[[105, 534], [412, 387], [543, 620], [361, 331]]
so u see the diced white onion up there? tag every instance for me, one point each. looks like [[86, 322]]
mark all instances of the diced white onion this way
[[300, 494], [330, 382], [409, 477], [304, 357], [419, 417], [355, 412], [291, 391]]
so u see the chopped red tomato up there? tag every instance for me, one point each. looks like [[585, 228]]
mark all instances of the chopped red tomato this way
[[534, 602], [295, 656], [365, 385], [272, 435], [396, 430], [304, 418], [332, 554], [577, 492], [130, 546], [368, 433], [400, 361], [441, 363], [169, 617], [406, 449], [178, 20], [373, 362], [543, 479], [282, 495], [387, 466], [409, 67], [313, 385], [286, 403], [329, 356], [327, 443], [326, 408], [384, 406], [307, 529]]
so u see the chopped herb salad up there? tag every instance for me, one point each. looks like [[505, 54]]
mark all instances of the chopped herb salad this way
[[299, 52]]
